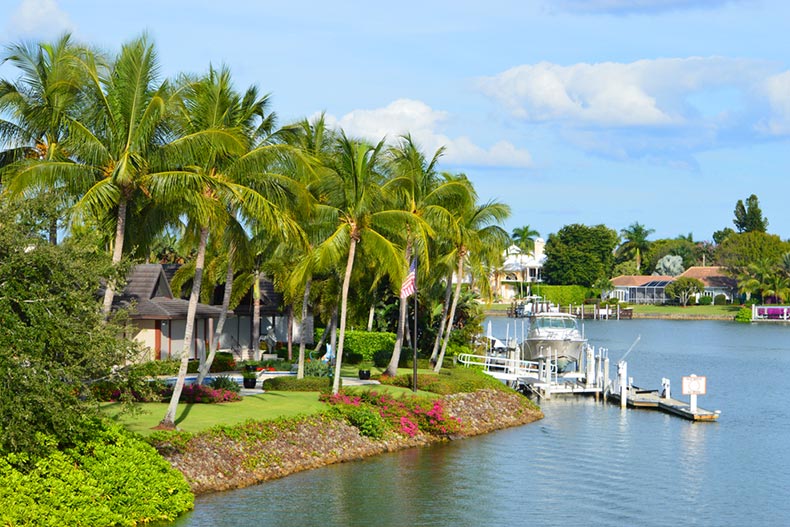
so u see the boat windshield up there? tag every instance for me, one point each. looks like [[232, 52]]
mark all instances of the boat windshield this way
[[555, 323]]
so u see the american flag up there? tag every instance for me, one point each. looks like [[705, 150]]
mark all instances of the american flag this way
[[409, 284]]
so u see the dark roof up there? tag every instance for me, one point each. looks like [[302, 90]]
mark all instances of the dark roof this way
[[148, 295]]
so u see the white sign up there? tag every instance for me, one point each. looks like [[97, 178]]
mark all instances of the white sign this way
[[693, 385]]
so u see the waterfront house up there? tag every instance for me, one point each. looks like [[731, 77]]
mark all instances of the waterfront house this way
[[519, 270], [644, 289], [716, 281]]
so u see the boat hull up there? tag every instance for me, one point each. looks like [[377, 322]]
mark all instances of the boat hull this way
[[537, 348]]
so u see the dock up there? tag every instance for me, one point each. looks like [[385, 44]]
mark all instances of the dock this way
[[652, 400]]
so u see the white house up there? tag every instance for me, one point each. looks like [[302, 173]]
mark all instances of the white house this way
[[519, 270]]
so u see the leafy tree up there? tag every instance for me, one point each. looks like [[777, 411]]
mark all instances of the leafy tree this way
[[670, 265], [53, 342], [684, 288], [741, 249], [720, 236], [524, 238], [635, 242], [749, 217], [579, 255]]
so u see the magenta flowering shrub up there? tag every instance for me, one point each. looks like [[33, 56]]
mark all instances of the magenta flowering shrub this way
[[197, 393], [407, 415]]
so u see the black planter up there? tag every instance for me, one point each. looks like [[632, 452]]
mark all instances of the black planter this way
[[364, 374], [249, 383]]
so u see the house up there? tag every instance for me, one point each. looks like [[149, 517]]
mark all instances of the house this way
[[716, 281], [642, 289], [518, 270], [158, 320]]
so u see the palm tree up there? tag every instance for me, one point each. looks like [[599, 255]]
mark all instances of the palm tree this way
[[524, 238], [635, 241], [38, 104], [419, 190], [215, 150], [476, 230], [354, 191]]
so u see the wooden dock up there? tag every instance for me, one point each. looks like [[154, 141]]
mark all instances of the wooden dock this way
[[651, 399]]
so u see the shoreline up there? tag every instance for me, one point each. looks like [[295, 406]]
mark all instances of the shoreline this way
[[646, 316], [233, 458]]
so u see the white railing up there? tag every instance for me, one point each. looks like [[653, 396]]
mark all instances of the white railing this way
[[498, 366]]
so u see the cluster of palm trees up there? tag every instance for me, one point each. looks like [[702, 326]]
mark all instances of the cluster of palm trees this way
[[127, 156], [766, 278]]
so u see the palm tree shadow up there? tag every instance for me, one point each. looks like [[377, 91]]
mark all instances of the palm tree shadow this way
[[184, 414]]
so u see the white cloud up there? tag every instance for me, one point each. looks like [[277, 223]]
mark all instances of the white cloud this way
[[652, 93], [424, 123], [39, 18], [777, 91]]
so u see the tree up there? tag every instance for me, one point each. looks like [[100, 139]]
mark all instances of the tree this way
[[635, 242], [524, 238], [354, 191], [721, 235], [54, 343], [741, 249], [670, 265], [683, 288], [39, 104], [476, 230], [749, 217], [579, 255]]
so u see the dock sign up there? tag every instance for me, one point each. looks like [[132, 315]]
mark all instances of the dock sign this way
[[693, 385]]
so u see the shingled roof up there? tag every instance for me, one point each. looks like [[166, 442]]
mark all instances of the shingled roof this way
[[712, 276], [148, 296]]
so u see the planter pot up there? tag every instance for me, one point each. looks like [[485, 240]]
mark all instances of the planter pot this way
[[364, 374], [249, 367], [249, 383]]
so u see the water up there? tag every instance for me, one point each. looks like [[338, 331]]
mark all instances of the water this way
[[586, 462]]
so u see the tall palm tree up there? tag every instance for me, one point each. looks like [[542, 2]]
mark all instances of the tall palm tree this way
[[354, 191], [476, 230], [524, 238], [420, 190], [38, 105], [215, 150], [635, 241]]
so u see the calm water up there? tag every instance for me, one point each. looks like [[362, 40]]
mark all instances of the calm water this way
[[585, 462]]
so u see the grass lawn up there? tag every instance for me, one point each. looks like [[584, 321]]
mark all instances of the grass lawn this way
[[347, 370], [262, 406], [727, 311]]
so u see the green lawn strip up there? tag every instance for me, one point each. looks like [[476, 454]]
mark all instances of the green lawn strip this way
[[260, 407], [347, 370], [729, 310]]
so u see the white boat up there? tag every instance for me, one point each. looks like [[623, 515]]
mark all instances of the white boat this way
[[553, 336]]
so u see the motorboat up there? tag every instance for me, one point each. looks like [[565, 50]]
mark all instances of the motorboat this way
[[554, 336]]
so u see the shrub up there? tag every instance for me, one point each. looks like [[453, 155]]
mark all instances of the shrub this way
[[197, 393], [458, 380], [352, 358], [366, 343], [720, 300], [112, 479], [224, 382], [563, 294], [744, 315], [381, 358], [366, 419], [292, 384], [317, 368], [705, 300], [154, 368]]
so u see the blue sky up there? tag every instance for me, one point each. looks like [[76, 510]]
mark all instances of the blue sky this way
[[571, 111]]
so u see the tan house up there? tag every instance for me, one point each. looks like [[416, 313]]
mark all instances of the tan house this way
[[642, 289], [518, 271]]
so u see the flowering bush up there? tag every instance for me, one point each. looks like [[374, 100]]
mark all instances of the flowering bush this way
[[197, 393], [406, 415]]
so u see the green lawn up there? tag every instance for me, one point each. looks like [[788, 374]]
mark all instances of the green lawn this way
[[727, 311], [262, 406]]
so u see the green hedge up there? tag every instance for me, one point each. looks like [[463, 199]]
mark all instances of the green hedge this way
[[364, 343], [292, 384], [458, 380], [114, 479], [562, 294]]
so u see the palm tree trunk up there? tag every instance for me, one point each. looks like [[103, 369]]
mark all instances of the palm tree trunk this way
[[303, 330], [290, 332], [343, 311], [117, 253], [371, 314], [443, 322], [333, 333], [450, 318], [256, 317], [221, 322], [169, 420], [392, 367]]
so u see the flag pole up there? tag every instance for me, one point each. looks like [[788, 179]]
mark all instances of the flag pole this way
[[414, 340]]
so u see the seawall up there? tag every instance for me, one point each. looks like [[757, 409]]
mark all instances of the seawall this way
[[213, 461]]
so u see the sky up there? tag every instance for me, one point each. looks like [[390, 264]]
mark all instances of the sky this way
[[662, 112]]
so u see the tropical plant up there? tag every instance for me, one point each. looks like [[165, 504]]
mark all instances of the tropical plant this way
[[635, 242], [684, 288], [524, 238]]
